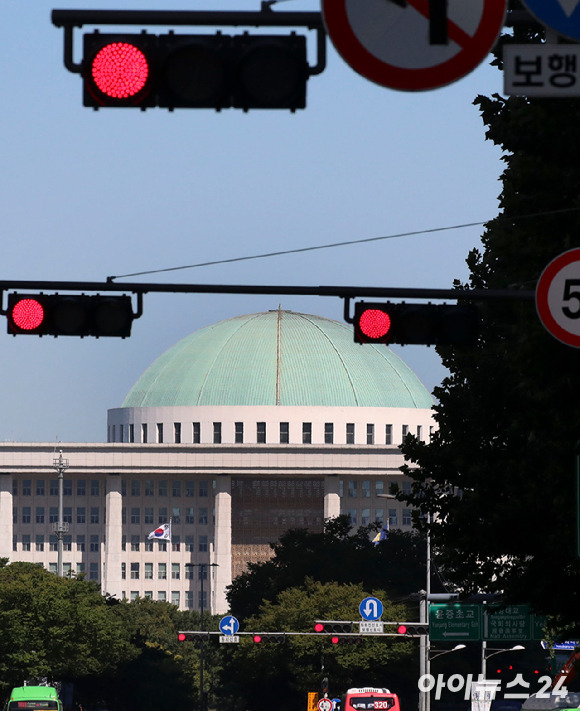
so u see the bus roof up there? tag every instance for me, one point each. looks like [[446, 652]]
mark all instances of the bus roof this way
[[33, 692]]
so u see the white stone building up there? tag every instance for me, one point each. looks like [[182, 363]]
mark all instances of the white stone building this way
[[237, 433]]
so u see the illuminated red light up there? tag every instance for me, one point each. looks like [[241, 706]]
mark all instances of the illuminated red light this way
[[120, 70], [257, 638], [402, 629], [374, 323], [181, 637], [319, 627], [334, 640], [27, 314]]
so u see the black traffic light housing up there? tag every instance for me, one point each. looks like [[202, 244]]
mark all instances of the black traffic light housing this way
[[333, 627], [412, 629], [409, 323], [69, 315], [197, 636], [269, 638], [195, 71]]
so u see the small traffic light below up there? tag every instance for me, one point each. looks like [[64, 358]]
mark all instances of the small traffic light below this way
[[412, 629], [269, 638], [69, 315], [199, 636], [195, 71], [346, 639], [427, 324], [335, 627]]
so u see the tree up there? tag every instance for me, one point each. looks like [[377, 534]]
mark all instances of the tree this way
[[55, 627], [259, 674], [498, 475], [338, 554]]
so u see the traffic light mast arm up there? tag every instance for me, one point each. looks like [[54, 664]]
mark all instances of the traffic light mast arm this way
[[69, 19]]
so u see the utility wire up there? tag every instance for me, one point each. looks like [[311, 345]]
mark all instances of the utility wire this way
[[332, 245]]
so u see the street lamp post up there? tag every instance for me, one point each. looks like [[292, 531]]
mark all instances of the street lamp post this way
[[202, 571], [486, 653], [433, 654]]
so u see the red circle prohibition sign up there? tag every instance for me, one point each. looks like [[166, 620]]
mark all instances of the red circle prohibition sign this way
[[471, 49], [558, 297]]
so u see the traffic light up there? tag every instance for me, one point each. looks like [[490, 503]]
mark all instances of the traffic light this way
[[195, 71], [412, 629], [199, 636], [404, 323], [269, 638], [333, 627], [345, 639], [69, 315]]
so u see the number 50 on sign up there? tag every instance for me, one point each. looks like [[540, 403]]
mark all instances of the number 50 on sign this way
[[558, 298]]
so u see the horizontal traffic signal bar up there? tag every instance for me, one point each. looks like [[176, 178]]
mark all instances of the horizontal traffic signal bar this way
[[69, 315], [411, 323]]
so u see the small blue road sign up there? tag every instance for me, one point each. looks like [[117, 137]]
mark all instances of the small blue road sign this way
[[561, 15], [229, 625], [371, 608]]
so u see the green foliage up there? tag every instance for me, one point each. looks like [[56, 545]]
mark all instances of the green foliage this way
[[499, 473], [260, 673], [338, 554]]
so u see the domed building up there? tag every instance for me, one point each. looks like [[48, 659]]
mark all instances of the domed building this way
[[240, 431]]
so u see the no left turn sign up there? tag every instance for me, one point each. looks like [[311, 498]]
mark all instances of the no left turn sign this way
[[413, 45], [558, 298]]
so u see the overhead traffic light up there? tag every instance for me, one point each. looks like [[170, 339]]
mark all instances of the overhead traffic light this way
[[269, 638], [199, 636], [412, 629], [69, 315], [333, 627], [407, 323], [195, 71]]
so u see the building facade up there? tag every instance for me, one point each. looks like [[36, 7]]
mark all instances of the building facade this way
[[239, 432]]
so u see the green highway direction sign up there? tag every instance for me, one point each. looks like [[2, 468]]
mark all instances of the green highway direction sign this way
[[470, 623]]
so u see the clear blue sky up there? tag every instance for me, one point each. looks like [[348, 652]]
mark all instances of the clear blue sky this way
[[86, 194]]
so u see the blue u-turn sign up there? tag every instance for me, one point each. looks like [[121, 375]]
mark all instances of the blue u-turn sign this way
[[371, 608], [561, 15]]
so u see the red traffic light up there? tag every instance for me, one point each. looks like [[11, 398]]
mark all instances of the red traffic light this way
[[402, 629], [334, 640], [181, 637], [26, 315], [120, 70], [374, 323], [257, 638], [319, 627]]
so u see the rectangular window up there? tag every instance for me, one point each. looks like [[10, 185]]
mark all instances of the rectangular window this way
[[404, 431], [26, 487], [176, 514], [189, 571], [284, 433], [261, 432], [162, 571], [176, 488], [419, 432], [53, 487], [135, 487], [26, 542], [365, 517], [203, 489], [177, 432], [162, 488], [94, 544], [40, 514], [148, 572], [190, 488], [67, 514], [217, 432], [379, 488], [144, 433], [67, 543], [189, 515], [196, 432], [94, 571], [379, 516], [40, 543], [67, 488], [81, 544], [26, 514], [53, 514], [136, 515], [352, 489], [350, 432], [134, 571], [392, 517], [148, 515], [307, 433], [81, 514], [163, 515], [160, 432], [365, 489], [94, 487], [189, 599], [388, 434], [406, 517], [175, 574], [239, 432], [94, 514], [203, 544], [352, 516], [370, 434], [135, 541], [149, 487], [131, 433], [202, 516], [328, 433], [81, 487], [40, 487]]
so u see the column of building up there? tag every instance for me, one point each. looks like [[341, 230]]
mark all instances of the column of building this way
[[6, 526], [222, 544], [112, 581]]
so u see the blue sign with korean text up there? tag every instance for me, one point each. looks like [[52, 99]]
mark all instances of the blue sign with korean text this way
[[561, 15]]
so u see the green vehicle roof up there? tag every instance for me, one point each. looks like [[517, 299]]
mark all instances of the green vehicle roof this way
[[33, 692]]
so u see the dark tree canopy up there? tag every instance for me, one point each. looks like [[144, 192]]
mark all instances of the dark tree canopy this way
[[499, 473]]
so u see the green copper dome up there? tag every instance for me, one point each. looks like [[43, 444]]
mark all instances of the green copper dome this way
[[278, 358]]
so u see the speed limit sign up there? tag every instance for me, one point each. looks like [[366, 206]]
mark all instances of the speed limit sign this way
[[558, 297]]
